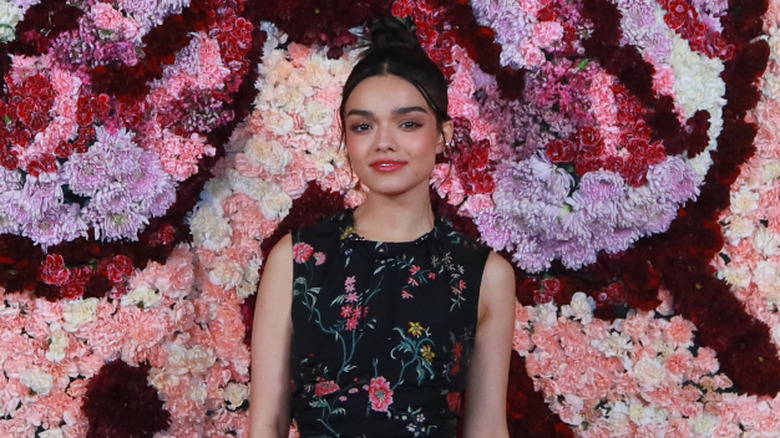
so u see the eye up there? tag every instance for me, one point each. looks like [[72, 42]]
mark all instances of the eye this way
[[410, 124], [360, 127]]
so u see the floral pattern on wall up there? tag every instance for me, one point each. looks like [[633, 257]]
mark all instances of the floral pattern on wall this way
[[622, 153]]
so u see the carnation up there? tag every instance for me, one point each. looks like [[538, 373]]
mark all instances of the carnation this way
[[39, 382], [235, 395], [78, 312], [58, 342], [141, 296], [51, 433], [209, 228], [10, 14]]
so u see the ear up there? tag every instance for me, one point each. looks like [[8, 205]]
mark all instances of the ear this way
[[446, 130]]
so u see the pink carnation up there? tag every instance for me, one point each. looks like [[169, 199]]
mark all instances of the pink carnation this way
[[547, 33]]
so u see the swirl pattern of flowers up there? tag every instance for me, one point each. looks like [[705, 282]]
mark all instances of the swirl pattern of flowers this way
[[622, 153]]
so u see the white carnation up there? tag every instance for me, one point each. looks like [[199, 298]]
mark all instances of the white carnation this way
[[248, 285], [9, 18], [736, 275], [644, 415], [739, 228], [328, 159], [58, 342], [210, 229], [771, 170], [269, 155], [766, 241], [276, 203], [80, 311], [235, 394], [318, 117], [39, 382], [744, 201], [697, 78], [581, 308], [225, 272], [197, 393], [705, 424], [142, 296], [51, 433]]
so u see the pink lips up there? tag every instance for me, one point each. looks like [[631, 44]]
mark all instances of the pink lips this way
[[387, 165]]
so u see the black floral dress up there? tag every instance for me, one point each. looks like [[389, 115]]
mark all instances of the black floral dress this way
[[383, 331]]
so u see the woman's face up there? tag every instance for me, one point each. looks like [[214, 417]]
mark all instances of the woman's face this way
[[392, 135]]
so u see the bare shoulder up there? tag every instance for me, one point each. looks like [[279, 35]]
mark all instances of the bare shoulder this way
[[277, 272], [498, 284], [281, 253]]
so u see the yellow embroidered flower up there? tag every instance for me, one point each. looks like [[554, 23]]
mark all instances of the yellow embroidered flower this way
[[415, 329], [426, 353], [347, 232]]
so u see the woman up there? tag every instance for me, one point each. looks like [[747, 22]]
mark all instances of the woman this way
[[375, 321]]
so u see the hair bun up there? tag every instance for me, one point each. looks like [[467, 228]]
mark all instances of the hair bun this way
[[390, 32]]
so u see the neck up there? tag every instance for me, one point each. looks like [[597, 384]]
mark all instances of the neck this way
[[391, 219]]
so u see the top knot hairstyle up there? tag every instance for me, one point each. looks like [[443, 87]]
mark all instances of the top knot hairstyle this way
[[393, 49]]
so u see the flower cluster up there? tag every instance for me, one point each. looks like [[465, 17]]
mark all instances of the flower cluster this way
[[290, 140], [190, 342], [702, 35], [90, 157], [322, 23], [638, 375], [612, 135], [602, 171], [750, 258]]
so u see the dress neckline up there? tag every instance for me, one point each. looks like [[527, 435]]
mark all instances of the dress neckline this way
[[351, 234]]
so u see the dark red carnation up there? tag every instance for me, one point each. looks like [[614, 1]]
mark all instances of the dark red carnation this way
[[8, 159], [53, 270], [63, 149], [590, 138], [120, 403], [561, 150], [120, 268], [45, 163]]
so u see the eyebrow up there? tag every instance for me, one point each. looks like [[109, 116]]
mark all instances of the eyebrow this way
[[400, 110]]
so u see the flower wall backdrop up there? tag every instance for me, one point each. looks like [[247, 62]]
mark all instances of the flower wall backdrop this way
[[622, 153]]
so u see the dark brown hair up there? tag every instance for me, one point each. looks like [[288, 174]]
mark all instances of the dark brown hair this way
[[393, 49]]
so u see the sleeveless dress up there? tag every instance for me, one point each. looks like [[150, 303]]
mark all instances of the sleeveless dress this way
[[382, 331]]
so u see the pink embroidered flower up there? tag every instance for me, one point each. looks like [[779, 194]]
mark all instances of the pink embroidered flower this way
[[319, 258], [302, 251], [325, 387], [349, 284], [380, 394]]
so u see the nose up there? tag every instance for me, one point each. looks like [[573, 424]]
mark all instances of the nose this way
[[385, 141]]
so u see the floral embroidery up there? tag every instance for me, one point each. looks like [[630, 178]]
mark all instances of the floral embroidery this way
[[427, 353], [325, 387], [415, 329], [302, 252], [378, 317], [380, 394]]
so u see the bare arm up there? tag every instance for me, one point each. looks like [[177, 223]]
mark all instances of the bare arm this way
[[485, 414], [269, 408]]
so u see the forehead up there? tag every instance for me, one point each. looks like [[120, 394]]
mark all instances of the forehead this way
[[380, 94]]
